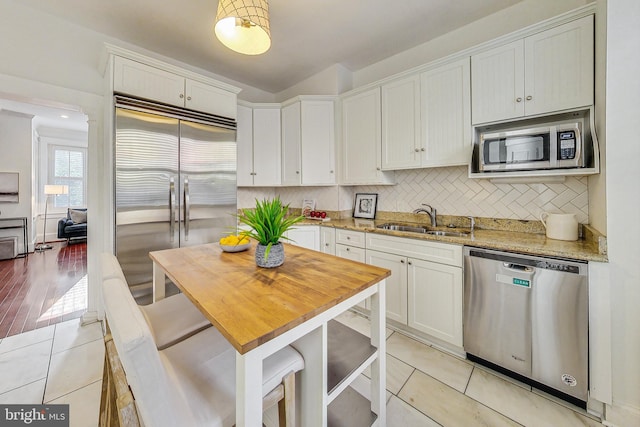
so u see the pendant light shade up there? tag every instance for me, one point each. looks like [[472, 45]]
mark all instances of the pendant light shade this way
[[243, 25]]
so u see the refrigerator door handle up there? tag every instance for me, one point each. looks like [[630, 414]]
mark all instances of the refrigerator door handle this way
[[172, 202], [186, 208]]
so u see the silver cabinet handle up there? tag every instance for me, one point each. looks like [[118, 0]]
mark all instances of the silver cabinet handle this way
[[347, 249], [518, 99], [188, 98], [529, 98], [181, 95], [409, 262], [401, 261], [417, 150], [172, 202], [187, 208], [422, 149]]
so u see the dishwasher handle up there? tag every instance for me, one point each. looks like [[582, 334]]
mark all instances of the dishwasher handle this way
[[517, 267]]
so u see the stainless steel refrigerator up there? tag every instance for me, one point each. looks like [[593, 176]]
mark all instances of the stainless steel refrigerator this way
[[175, 184]]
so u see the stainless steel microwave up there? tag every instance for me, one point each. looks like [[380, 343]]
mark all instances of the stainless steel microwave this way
[[563, 141]]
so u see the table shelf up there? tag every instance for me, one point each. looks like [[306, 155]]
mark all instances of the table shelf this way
[[350, 409], [348, 355]]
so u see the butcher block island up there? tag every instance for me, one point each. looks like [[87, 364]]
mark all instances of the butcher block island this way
[[262, 310]]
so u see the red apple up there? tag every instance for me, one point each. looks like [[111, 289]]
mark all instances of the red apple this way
[[323, 214]]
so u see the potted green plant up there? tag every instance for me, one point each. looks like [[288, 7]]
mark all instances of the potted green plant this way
[[268, 221]]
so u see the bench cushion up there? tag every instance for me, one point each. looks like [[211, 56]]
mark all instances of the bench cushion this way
[[155, 394], [204, 369], [173, 319]]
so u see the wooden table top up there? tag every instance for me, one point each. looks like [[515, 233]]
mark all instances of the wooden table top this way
[[250, 305]]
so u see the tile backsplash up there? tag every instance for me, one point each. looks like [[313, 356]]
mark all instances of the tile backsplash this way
[[450, 191]]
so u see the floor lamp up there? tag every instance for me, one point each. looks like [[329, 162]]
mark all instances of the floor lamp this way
[[49, 190]]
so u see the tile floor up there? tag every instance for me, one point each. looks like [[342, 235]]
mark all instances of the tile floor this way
[[63, 364]]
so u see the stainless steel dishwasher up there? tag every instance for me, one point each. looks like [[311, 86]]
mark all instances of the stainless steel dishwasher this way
[[528, 317]]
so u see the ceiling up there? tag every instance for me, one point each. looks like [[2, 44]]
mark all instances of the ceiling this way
[[46, 116], [307, 35]]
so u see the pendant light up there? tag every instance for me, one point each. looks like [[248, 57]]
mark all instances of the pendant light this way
[[243, 25]]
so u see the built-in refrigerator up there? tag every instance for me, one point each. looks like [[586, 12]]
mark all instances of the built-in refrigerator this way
[[175, 184]]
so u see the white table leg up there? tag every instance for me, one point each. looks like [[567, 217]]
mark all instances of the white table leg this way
[[158, 283], [312, 393], [249, 389], [379, 366]]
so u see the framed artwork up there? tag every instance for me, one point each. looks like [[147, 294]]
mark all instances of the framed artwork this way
[[9, 185], [365, 205]]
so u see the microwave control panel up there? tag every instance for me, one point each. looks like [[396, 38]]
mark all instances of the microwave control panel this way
[[566, 145]]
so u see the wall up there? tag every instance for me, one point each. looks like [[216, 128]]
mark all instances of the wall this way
[[518, 16], [623, 208], [15, 156], [44, 48]]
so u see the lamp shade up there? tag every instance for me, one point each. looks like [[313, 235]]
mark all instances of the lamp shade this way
[[243, 25], [56, 189]]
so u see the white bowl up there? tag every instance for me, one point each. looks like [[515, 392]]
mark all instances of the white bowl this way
[[235, 248]]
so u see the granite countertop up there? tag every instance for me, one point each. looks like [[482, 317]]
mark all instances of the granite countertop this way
[[522, 238]]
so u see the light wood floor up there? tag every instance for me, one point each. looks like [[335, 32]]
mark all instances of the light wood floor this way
[[43, 288]]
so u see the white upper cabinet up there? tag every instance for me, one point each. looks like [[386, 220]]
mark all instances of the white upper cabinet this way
[[318, 158], [546, 72], [266, 146], [258, 144], [446, 115], [401, 145], [244, 144], [291, 144], [559, 68], [362, 140], [155, 84], [203, 97], [308, 143]]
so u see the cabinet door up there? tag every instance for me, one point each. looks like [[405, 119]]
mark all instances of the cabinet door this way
[[306, 236], [559, 68], [244, 144], [446, 114], [361, 140], [266, 147], [318, 161], [147, 82], [396, 288], [435, 300], [291, 144], [497, 82], [210, 99], [401, 124], [328, 240]]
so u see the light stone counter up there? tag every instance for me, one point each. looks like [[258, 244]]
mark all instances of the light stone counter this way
[[525, 237]]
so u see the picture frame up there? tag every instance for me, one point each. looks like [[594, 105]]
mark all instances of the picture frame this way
[[9, 187], [365, 205]]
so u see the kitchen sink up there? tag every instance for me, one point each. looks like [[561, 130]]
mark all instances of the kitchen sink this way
[[446, 233], [402, 227], [420, 229]]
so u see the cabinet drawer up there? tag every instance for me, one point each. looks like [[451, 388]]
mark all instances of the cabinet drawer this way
[[351, 238], [351, 252], [443, 253]]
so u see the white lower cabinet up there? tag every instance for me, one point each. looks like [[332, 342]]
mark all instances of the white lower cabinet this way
[[424, 291], [328, 240], [396, 291], [306, 236], [350, 245], [435, 300]]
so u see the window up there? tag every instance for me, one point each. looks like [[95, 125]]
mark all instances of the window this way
[[68, 167]]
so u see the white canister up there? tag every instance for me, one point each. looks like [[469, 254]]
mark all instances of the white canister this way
[[560, 226]]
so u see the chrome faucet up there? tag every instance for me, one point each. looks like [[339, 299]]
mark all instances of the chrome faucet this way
[[431, 212], [473, 223]]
